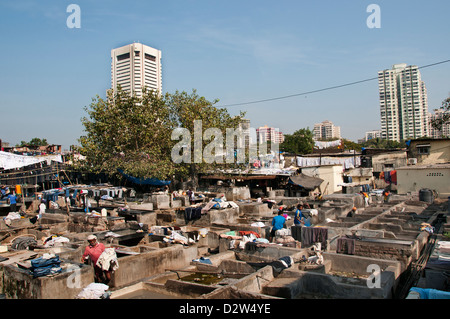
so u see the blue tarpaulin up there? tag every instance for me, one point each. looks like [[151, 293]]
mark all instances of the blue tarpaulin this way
[[144, 181]]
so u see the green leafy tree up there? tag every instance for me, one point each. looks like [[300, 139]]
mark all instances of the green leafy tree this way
[[300, 142], [129, 133], [34, 142], [384, 144], [350, 145], [135, 133]]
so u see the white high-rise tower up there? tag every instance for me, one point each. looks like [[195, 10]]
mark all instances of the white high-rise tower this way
[[403, 103], [135, 66]]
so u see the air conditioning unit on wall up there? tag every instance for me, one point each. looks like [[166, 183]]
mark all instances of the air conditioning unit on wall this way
[[412, 161]]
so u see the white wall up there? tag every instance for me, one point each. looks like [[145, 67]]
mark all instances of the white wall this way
[[414, 178], [331, 174]]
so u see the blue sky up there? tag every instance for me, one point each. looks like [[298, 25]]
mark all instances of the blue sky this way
[[234, 51]]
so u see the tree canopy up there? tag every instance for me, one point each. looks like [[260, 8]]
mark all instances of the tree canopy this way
[[382, 143], [135, 134], [300, 142], [34, 142]]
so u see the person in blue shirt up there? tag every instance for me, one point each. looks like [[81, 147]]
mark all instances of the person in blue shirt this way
[[3, 190], [278, 222], [298, 215], [12, 202], [299, 219]]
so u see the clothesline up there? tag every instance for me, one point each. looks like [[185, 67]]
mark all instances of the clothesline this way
[[321, 145], [10, 160], [346, 162], [389, 177]]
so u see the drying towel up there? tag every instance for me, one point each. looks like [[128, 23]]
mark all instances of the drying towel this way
[[191, 213], [320, 235], [345, 245], [296, 232], [311, 235], [394, 177]]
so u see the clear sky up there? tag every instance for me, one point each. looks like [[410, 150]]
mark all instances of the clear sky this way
[[234, 51]]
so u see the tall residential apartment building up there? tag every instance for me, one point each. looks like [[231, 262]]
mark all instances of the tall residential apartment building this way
[[135, 66], [326, 130], [266, 134], [403, 103]]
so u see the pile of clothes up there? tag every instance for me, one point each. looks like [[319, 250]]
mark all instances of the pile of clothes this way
[[247, 240], [11, 216], [277, 265], [176, 237], [218, 203], [55, 241], [47, 265], [24, 243], [95, 291], [318, 257], [284, 236]]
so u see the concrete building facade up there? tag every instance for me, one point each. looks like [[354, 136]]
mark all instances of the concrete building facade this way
[[266, 134], [429, 151], [326, 130], [135, 66], [413, 178]]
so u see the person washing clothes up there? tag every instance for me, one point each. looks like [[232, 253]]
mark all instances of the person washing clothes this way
[[299, 219], [278, 222], [12, 199], [191, 196], [352, 213], [366, 198], [92, 253], [386, 194]]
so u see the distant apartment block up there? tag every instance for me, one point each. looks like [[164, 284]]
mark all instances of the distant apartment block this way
[[403, 103], [445, 132], [135, 66], [266, 134], [370, 135], [326, 130]]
